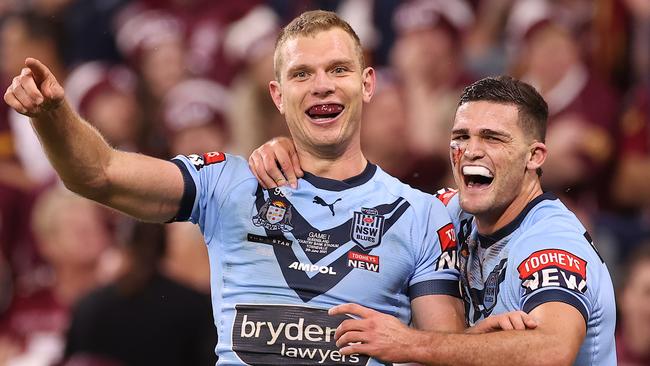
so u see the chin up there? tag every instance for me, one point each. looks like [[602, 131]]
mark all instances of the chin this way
[[474, 205]]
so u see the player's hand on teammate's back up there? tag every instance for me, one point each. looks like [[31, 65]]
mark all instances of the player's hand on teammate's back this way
[[514, 320], [276, 163], [35, 90]]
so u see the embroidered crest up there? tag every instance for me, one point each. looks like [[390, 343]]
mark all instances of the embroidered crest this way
[[274, 215], [367, 228]]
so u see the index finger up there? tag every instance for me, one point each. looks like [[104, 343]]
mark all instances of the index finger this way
[[39, 70], [353, 309]]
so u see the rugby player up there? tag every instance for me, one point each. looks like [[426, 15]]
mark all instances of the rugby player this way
[[279, 258], [520, 249]]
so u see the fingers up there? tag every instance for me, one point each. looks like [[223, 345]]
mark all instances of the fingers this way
[[351, 337], [353, 309], [529, 321], [13, 102], [23, 95], [505, 323], [517, 322], [29, 86], [47, 84], [270, 164], [287, 167], [286, 145], [252, 165], [257, 167], [35, 90], [520, 320], [355, 348], [40, 71], [350, 325]]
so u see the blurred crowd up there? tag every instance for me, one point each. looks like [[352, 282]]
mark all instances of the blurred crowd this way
[[81, 285]]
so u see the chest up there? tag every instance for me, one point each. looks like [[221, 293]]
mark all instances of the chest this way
[[319, 243]]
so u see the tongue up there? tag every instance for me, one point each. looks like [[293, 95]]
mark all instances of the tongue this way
[[325, 109]]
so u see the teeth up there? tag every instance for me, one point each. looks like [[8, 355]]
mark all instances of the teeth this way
[[477, 170]]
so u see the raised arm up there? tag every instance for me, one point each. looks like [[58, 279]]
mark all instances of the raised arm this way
[[144, 187]]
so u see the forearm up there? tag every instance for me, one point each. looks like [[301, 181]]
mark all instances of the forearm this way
[[146, 188], [528, 347], [77, 151]]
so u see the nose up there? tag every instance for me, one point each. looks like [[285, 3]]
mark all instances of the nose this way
[[473, 149], [323, 84]]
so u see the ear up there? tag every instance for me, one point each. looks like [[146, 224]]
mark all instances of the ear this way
[[368, 78], [537, 156], [276, 94]]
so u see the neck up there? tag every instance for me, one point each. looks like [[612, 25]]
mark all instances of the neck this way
[[489, 223], [341, 165]]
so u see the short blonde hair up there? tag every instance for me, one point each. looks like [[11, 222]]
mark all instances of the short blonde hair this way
[[311, 23]]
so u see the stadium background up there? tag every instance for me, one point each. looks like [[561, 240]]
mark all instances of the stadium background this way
[[168, 77]]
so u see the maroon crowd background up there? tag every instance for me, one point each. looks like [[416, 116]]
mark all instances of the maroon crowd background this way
[[167, 77]]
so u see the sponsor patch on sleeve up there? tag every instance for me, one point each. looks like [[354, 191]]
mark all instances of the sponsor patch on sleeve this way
[[448, 246], [199, 161], [553, 268], [214, 157], [445, 195]]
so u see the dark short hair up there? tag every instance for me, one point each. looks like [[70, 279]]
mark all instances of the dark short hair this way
[[533, 110], [311, 23]]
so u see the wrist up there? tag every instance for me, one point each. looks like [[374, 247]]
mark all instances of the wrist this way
[[422, 346]]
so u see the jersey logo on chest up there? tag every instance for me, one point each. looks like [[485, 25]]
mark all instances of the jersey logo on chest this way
[[368, 228], [317, 260]]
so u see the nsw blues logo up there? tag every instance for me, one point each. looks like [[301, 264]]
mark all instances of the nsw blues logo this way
[[367, 228], [274, 215]]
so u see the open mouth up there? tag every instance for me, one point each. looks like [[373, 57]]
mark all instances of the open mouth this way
[[477, 176], [324, 112]]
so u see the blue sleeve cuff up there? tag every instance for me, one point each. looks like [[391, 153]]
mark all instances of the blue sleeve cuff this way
[[556, 295], [189, 194], [435, 287]]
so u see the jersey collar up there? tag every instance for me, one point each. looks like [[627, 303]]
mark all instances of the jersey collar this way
[[341, 185], [487, 240]]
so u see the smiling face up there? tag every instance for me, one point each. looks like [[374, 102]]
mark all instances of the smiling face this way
[[493, 160], [321, 90]]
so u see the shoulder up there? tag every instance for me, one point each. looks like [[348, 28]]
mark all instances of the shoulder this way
[[552, 236], [214, 169]]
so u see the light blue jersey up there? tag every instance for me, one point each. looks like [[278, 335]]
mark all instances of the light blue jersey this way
[[280, 258], [543, 255]]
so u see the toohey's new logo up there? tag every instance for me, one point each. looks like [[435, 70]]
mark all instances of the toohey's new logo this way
[[288, 335]]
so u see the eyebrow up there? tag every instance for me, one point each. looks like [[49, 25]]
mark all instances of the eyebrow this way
[[483, 132], [341, 62], [494, 133], [336, 62]]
